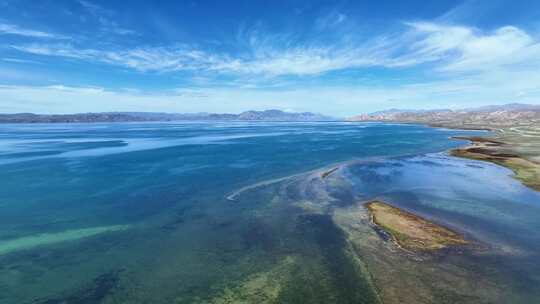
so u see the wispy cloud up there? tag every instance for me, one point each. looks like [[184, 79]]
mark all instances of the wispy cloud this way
[[12, 29], [262, 58], [448, 49], [297, 61], [16, 60], [301, 61], [60, 50], [162, 59]]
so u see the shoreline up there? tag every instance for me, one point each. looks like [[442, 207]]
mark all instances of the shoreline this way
[[501, 153], [488, 148], [525, 171], [495, 150]]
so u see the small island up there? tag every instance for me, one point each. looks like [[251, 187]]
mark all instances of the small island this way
[[412, 232], [328, 172]]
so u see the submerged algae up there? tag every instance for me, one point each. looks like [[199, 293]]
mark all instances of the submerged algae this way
[[401, 277], [313, 262], [261, 287]]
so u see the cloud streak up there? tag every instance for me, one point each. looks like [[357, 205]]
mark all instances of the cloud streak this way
[[11, 29], [450, 48], [262, 60]]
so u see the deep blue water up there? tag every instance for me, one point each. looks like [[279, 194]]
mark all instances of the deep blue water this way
[[137, 212]]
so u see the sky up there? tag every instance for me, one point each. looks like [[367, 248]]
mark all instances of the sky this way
[[339, 58]]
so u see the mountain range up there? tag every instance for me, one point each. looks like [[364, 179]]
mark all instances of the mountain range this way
[[267, 115], [487, 115], [500, 115]]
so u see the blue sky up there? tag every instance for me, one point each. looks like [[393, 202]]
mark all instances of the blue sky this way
[[335, 57]]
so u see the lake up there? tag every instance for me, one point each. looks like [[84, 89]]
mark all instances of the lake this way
[[237, 212]]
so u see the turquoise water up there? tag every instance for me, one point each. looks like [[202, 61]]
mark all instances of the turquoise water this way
[[209, 212]]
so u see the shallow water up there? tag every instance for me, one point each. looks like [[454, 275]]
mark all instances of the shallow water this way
[[176, 238]]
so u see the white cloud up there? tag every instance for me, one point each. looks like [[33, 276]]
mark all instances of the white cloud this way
[[143, 59], [59, 50], [460, 48], [16, 60], [263, 60], [12, 29], [77, 90], [298, 61], [450, 48]]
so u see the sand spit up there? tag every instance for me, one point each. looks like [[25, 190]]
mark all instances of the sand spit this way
[[412, 232]]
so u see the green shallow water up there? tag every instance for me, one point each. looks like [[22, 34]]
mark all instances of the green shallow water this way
[[138, 213], [32, 241]]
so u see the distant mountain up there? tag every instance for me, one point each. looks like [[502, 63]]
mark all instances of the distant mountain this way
[[268, 115], [488, 115], [277, 115], [507, 107], [391, 113]]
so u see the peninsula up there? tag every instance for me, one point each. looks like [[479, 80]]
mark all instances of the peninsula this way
[[514, 141]]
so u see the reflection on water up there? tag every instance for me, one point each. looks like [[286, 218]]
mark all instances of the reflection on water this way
[[240, 212]]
